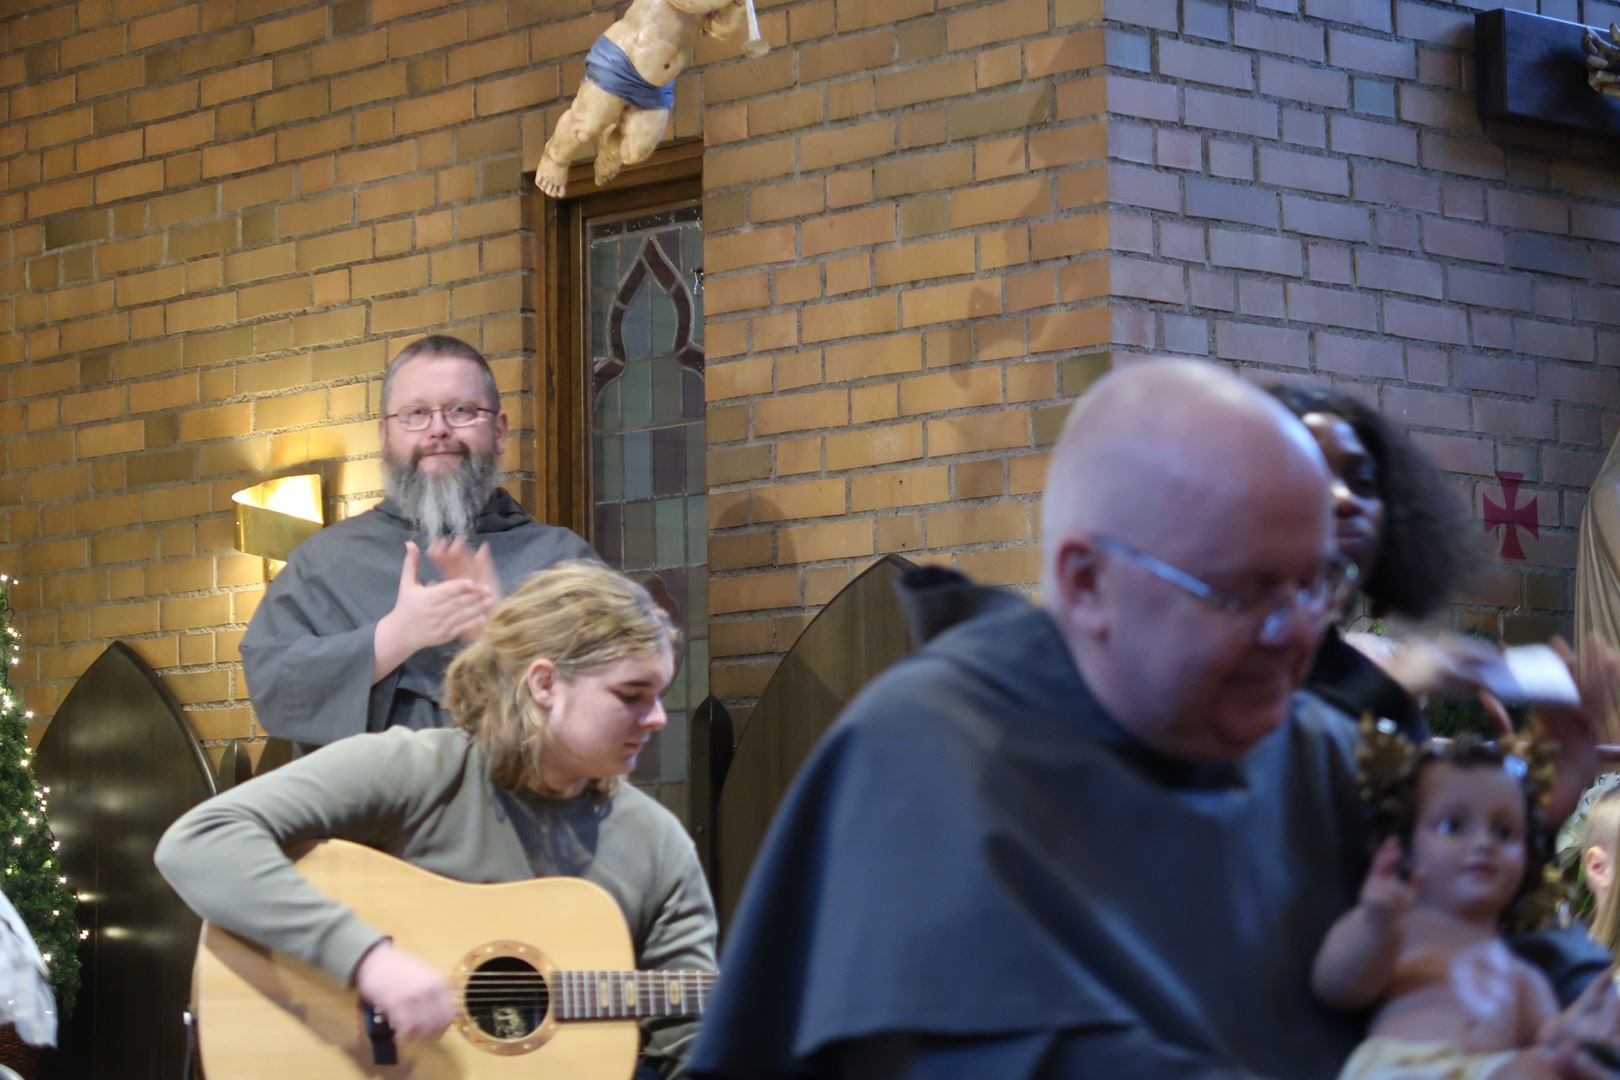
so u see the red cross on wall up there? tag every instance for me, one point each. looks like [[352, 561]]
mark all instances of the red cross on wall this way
[[1512, 516]]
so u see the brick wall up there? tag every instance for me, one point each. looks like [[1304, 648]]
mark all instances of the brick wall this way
[[220, 219], [1305, 189], [929, 226], [905, 273]]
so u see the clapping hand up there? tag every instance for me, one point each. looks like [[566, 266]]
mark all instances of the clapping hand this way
[[459, 559], [425, 615]]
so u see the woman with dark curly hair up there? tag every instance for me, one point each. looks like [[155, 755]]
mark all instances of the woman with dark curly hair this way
[[1398, 521]]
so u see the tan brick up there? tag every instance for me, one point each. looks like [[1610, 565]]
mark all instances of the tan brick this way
[[978, 525], [917, 173], [108, 150], [979, 431], [275, 298], [124, 620], [997, 22], [772, 202], [360, 166], [496, 216], [399, 197], [328, 326], [916, 262], [785, 113], [169, 25], [801, 499], [486, 298], [737, 378], [799, 412], [852, 273], [332, 249], [757, 161], [875, 446], [84, 300], [184, 315], [180, 576], [849, 318], [795, 457], [239, 156], [195, 612], [753, 248], [289, 410], [222, 421], [928, 82], [260, 263], [880, 356], [427, 34], [434, 110], [838, 232], [835, 540], [238, 81], [844, 145], [1008, 566], [899, 487], [950, 390], [948, 303], [151, 286], [170, 504], [1000, 202], [317, 215], [179, 134], [754, 592], [110, 439], [286, 33], [92, 405]]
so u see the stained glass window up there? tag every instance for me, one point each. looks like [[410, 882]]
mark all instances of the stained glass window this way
[[644, 275]]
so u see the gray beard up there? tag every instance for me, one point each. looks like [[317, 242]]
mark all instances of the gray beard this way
[[442, 507]]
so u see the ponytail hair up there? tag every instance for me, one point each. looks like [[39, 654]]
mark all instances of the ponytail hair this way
[[578, 615]]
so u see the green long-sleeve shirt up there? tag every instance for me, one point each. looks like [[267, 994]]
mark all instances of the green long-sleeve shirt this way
[[427, 797]]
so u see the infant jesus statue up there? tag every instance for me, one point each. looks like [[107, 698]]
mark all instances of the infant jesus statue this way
[[1423, 947]]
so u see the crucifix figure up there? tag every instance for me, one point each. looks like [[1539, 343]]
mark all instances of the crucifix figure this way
[[624, 101]]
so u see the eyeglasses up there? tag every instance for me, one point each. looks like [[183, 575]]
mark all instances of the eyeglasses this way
[[456, 414], [1274, 608]]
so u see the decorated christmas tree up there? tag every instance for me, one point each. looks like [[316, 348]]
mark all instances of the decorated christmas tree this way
[[33, 881]]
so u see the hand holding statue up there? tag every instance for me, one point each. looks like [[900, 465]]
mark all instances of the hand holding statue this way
[[629, 87]]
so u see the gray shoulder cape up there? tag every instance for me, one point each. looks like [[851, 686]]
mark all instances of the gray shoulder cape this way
[[307, 653]]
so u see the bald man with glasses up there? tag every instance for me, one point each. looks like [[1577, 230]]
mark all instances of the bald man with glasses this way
[[354, 635], [1096, 837]]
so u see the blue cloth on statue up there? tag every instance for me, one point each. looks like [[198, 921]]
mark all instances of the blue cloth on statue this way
[[609, 67]]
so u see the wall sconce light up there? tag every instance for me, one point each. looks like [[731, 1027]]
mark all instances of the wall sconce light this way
[[276, 516]]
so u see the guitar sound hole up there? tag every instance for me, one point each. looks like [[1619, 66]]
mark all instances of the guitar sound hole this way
[[507, 998]]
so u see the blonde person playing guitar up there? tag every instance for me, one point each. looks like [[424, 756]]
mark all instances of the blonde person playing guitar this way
[[552, 703]]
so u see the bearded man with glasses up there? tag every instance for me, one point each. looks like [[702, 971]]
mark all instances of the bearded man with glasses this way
[[355, 633]]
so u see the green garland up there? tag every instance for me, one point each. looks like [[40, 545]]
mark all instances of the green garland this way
[[33, 880]]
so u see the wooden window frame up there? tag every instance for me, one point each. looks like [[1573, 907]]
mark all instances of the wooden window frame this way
[[562, 452]]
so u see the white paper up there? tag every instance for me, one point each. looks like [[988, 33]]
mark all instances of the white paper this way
[[1532, 675]]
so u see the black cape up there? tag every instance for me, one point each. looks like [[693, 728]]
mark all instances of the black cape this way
[[1350, 681], [977, 857], [308, 652]]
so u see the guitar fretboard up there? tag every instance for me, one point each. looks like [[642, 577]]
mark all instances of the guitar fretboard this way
[[629, 995]]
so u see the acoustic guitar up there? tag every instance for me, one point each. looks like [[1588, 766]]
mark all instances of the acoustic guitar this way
[[541, 972]]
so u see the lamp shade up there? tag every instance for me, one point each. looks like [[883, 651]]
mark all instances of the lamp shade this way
[[276, 516]]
